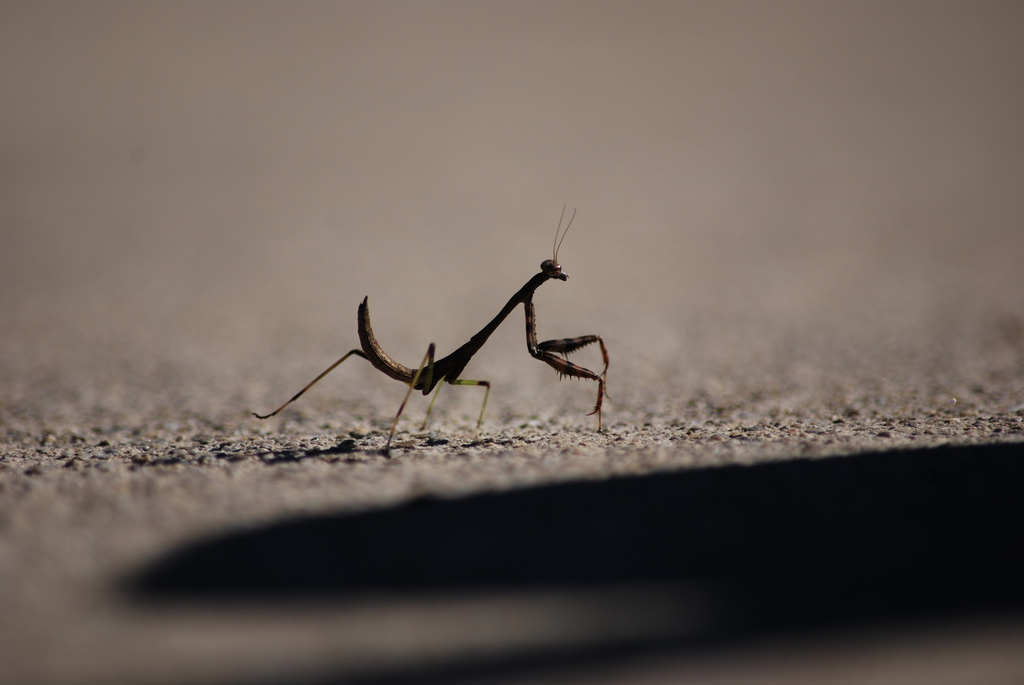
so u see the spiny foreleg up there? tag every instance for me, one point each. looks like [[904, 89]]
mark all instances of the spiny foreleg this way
[[546, 352], [566, 368], [566, 346]]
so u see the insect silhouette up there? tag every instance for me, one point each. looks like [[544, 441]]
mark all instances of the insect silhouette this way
[[430, 373]]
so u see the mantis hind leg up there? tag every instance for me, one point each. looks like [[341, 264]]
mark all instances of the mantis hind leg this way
[[426, 365], [313, 382]]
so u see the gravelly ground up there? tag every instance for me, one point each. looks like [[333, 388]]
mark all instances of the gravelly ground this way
[[799, 234]]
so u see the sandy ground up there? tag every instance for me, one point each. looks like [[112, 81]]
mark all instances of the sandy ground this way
[[800, 233]]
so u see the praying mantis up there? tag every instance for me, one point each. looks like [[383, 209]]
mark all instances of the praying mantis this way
[[431, 372]]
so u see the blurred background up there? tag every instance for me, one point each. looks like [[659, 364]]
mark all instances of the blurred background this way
[[194, 197], [787, 211]]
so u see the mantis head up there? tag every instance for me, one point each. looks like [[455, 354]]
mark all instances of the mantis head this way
[[553, 269]]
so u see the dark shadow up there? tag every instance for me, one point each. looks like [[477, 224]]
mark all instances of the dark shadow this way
[[804, 545]]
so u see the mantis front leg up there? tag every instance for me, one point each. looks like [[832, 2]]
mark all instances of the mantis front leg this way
[[545, 351]]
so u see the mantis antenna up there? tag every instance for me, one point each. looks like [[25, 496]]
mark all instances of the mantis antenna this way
[[557, 244]]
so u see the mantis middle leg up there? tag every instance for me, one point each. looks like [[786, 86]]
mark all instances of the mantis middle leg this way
[[427, 365]]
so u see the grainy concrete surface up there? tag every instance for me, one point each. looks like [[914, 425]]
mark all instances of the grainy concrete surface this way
[[800, 232]]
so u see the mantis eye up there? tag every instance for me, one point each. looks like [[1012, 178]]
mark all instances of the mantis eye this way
[[553, 269]]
